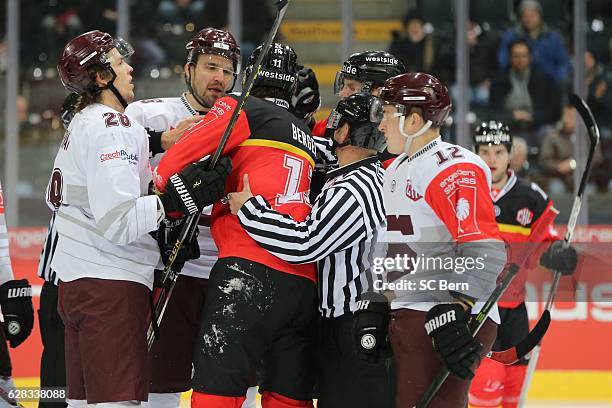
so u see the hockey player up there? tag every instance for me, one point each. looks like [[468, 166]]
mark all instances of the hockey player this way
[[438, 205], [521, 207], [52, 361], [213, 62], [17, 312], [364, 71], [345, 220], [258, 307], [105, 255]]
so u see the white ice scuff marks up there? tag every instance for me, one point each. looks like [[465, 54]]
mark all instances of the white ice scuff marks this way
[[215, 339], [234, 285]]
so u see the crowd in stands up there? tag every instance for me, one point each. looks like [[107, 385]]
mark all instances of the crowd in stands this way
[[521, 72], [520, 58], [156, 27]]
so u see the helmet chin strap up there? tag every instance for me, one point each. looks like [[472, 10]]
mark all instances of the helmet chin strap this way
[[411, 137], [111, 86]]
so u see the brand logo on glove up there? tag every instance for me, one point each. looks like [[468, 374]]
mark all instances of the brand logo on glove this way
[[184, 194], [19, 292], [14, 327], [368, 341], [440, 321], [362, 304], [197, 183]]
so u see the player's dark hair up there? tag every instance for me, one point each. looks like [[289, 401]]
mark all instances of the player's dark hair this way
[[92, 94]]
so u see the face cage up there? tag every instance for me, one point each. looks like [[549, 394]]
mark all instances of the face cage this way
[[336, 119], [401, 109], [124, 48], [339, 83]]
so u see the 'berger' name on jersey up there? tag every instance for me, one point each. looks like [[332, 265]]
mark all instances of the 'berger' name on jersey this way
[[304, 138]]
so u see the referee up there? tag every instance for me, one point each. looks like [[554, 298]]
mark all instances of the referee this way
[[52, 364], [339, 235]]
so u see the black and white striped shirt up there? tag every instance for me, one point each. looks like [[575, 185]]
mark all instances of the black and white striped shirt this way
[[339, 234], [46, 256]]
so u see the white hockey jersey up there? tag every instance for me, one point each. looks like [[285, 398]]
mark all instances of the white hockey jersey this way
[[6, 270], [160, 115], [438, 203], [99, 186]]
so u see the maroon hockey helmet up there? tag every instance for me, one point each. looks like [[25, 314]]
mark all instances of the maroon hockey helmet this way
[[213, 41], [85, 51], [418, 89]]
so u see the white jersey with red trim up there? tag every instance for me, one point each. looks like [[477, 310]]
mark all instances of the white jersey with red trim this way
[[438, 202], [164, 114], [6, 270], [99, 187]]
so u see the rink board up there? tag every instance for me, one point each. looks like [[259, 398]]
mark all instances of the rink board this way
[[574, 363]]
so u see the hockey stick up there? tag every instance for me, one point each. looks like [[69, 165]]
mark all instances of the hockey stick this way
[[169, 277], [514, 354], [476, 322], [593, 131]]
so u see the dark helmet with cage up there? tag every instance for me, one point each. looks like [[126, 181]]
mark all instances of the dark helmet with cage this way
[[306, 99], [363, 112], [85, 52], [279, 69], [492, 133], [370, 68], [217, 42]]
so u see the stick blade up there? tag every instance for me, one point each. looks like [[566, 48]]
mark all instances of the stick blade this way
[[535, 336], [587, 116], [514, 354]]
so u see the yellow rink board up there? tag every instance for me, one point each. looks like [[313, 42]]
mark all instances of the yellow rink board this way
[[330, 31], [584, 386]]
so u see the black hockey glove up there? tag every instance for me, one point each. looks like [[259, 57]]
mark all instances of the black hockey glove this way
[[16, 303], [196, 187], [447, 325], [560, 259], [167, 235], [370, 327], [306, 99]]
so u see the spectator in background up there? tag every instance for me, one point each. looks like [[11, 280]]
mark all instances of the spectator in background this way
[[99, 15], [60, 22], [518, 161], [482, 47], [255, 25], [181, 11], [547, 47], [524, 97], [599, 82], [421, 51], [557, 155]]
